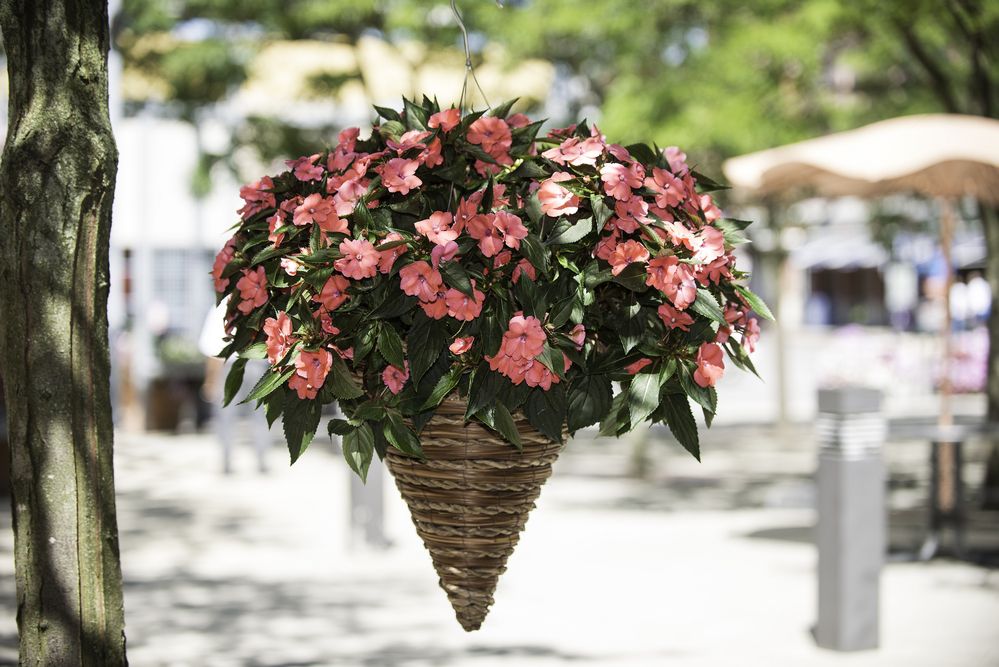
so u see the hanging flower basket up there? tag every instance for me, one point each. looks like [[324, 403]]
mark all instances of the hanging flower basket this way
[[469, 293]]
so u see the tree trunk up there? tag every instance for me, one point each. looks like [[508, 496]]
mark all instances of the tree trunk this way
[[990, 224], [56, 186]]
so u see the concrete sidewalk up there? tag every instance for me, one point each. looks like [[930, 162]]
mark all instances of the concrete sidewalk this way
[[255, 569]]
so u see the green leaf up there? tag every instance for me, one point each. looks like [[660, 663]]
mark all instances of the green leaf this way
[[301, 419], [364, 340], [755, 302], [617, 418], [642, 153], [546, 411], [681, 423], [633, 277], [387, 113], [643, 397], [533, 209], [267, 253], [268, 383], [700, 394], [506, 426], [425, 343], [483, 389], [706, 305], [274, 406], [455, 276], [401, 436], [342, 384], [590, 399], [358, 448], [503, 110], [416, 117], [443, 387], [534, 251], [255, 351], [233, 381], [339, 427], [575, 232], [390, 346], [601, 212]]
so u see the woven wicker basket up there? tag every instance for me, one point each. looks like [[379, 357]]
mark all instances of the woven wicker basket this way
[[470, 499]]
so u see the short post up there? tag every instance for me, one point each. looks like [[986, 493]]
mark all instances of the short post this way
[[850, 533]]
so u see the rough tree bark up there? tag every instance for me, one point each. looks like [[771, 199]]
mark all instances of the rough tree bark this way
[[57, 178]]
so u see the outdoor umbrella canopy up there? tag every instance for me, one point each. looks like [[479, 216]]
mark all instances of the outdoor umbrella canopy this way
[[939, 155]]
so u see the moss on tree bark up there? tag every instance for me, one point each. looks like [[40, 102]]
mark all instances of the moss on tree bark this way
[[57, 179]]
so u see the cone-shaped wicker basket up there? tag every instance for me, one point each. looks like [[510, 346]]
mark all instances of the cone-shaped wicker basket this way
[[470, 498]]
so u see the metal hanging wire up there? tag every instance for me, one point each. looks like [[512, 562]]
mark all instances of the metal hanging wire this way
[[469, 70]]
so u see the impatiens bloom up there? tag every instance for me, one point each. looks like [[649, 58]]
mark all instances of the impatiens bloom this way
[[408, 141], [492, 134], [314, 209], [555, 199], [290, 266], [222, 260], [341, 156], [711, 212], [578, 336], [524, 267], [576, 152], [712, 245], [305, 168], [606, 246], [629, 213], [511, 228], [626, 253], [461, 345], [751, 336], [668, 188], [437, 228], [463, 307], [619, 180], [421, 280], [437, 308], [279, 338], [675, 319], [334, 293], [524, 337], [386, 258], [311, 369], [677, 160], [679, 235], [360, 259], [443, 253], [399, 175], [257, 197], [431, 157], [395, 378], [252, 289], [447, 120], [273, 222], [635, 367], [710, 365], [674, 279]]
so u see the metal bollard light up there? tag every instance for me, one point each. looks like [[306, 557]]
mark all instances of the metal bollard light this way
[[850, 533]]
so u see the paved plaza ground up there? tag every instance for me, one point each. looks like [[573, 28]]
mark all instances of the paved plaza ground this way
[[694, 565]]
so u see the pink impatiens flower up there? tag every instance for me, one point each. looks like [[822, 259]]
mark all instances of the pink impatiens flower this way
[[712, 245], [635, 367], [334, 293], [257, 197], [222, 260], [443, 253], [511, 228], [360, 259], [710, 365], [437, 228], [305, 168], [492, 134], [626, 253], [751, 336], [447, 120], [311, 369], [576, 152], [674, 279], [619, 180], [524, 268], [279, 338], [314, 209], [462, 307], [421, 280], [461, 345], [668, 188], [399, 175], [252, 289], [630, 212], [555, 199], [675, 319], [436, 309], [386, 258], [677, 160], [395, 378]]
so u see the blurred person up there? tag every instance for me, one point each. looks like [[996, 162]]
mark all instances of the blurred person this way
[[979, 298], [210, 343], [959, 306]]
